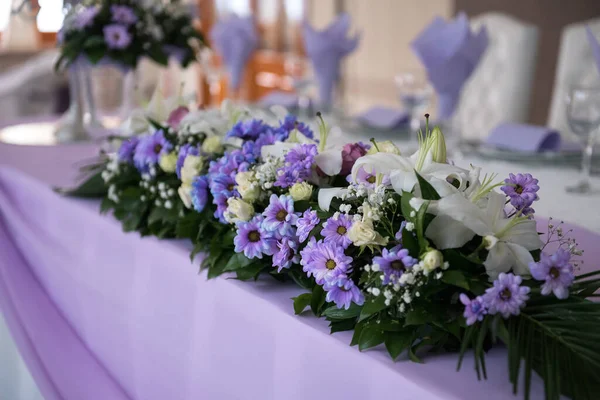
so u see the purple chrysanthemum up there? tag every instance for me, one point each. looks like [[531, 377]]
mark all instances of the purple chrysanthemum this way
[[86, 17], [127, 149], [123, 15], [393, 263], [248, 130], [252, 240], [335, 230], [116, 37], [149, 150], [556, 271], [368, 179], [306, 224], [199, 192], [507, 296], [474, 309], [325, 261], [301, 156], [184, 151], [222, 184], [287, 177], [289, 124], [306, 254], [286, 255], [398, 234], [342, 291], [279, 215], [522, 190], [220, 200]]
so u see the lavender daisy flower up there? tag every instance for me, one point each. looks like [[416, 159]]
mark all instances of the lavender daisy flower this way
[[287, 177], [306, 223], [474, 309], [248, 130], [123, 15], [306, 254], [279, 215], [301, 156], [507, 296], [252, 240], [222, 184], [393, 263], [398, 234], [368, 179], [342, 291], [116, 37], [86, 17], [327, 262], [522, 190], [127, 149], [287, 255], [199, 193], [556, 271], [335, 230], [184, 151], [149, 150], [220, 200], [289, 124]]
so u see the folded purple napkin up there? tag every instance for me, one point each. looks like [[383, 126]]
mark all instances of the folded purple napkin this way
[[383, 118], [595, 46], [326, 49], [523, 137], [449, 51], [235, 38], [278, 98]]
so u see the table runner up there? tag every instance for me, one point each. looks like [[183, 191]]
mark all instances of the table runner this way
[[114, 316]]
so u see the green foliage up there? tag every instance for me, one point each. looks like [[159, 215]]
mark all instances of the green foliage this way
[[92, 188]]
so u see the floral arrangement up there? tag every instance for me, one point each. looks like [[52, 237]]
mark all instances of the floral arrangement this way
[[411, 252], [124, 31]]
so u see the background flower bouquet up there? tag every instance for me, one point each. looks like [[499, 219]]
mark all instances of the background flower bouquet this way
[[124, 31], [411, 252]]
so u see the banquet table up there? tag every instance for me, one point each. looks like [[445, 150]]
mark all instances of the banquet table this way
[[99, 314]]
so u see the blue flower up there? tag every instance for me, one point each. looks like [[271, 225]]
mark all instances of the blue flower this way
[[199, 193], [522, 190], [556, 271], [507, 296], [248, 130], [279, 215], [393, 263], [252, 240], [474, 309], [289, 124], [127, 149], [306, 224], [123, 15], [325, 261], [286, 255], [335, 230], [149, 149], [116, 37], [342, 291]]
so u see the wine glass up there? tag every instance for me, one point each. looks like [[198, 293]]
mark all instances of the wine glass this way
[[213, 73], [298, 70], [583, 117], [415, 93]]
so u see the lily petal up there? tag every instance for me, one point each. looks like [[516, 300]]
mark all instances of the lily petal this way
[[330, 161], [277, 149], [325, 196], [500, 259], [525, 234], [522, 258], [447, 233], [460, 209]]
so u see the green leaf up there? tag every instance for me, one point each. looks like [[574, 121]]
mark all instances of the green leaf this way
[[371, 307], [342, 325], [251, 271], [405, 206], [188, 226], [410, 243], [339, 313], [397, 342], [370, 336], [198, 247], [317, 300], [94, 41], [95, 54], [237, 261], [456, 278], [301, 302], [420, 226], [217, 268], [93, 187], [427, 191], [413, 357]]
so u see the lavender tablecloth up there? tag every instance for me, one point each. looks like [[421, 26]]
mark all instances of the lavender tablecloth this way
[[98, 314]]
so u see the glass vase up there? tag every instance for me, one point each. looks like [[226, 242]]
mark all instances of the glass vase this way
[[72, 126], [128, 97]]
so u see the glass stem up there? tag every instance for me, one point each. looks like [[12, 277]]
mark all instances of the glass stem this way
[[586, 160]]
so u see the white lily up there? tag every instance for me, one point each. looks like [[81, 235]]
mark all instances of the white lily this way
[[508, 240]]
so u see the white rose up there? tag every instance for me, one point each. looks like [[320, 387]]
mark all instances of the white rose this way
[[301, 191], [190, 169], [384, 147], [433, 259], [212, 144], [185, 194], [247, 187], [238, 210], [361, 233], [168, 162]]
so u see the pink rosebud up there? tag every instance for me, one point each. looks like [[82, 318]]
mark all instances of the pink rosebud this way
[[350, 153], [176, 116]]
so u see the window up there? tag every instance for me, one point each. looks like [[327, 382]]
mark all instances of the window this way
[[51, 16], [4, 14]]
